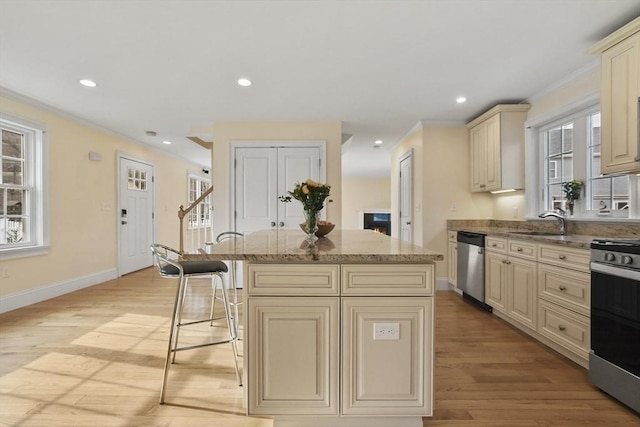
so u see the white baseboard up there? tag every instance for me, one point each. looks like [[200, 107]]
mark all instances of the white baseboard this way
[[32, 296], [442, 284]]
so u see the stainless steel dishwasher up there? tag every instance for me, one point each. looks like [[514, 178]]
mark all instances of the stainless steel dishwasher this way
[[471, 268]]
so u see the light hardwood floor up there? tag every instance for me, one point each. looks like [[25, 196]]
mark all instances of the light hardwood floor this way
[[94, 358]]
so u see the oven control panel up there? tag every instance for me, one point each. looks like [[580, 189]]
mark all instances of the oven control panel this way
[[616, 258]]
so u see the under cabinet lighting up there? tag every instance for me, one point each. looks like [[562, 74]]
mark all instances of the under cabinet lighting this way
[[509, 190]]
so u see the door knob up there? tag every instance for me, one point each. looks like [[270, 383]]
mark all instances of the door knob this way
[[281, 224], [273, 223], [408, 222], [123, 222]]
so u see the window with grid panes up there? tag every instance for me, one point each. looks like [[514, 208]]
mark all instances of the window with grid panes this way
[[22, 224], [571, 150]]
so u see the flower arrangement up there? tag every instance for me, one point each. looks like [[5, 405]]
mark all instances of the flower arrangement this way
[[572, 190], [310, 193], [312, 196]]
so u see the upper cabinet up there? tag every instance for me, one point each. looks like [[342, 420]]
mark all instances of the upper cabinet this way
[[619, 99], [497, 148]]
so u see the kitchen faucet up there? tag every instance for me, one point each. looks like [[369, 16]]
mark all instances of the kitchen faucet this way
[[560, 215]]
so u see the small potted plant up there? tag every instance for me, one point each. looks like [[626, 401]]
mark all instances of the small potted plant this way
[[572, 190]]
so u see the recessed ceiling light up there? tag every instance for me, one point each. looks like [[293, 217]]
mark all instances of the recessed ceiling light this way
[[244, 82], [88, 83], [166, 142], [378, 142], [461, 100]]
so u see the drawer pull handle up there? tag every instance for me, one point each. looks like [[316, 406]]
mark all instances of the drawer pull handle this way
[[519, 249], [562, 256], [562, 327], [562, 287], [493, 245]]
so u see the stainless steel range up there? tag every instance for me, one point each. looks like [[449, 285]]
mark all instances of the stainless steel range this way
[[614, 361]]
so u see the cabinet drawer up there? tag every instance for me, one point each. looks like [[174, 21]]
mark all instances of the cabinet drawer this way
[[391, 280], [568, 288], [293, 279], [496, 244], [522, 249], [452, 235], [564, 327], [577, 259]]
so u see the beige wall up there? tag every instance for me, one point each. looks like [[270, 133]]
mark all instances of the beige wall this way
[[83, 235], [583, 86], [226, 132], [363, 193], [441, 179], [509, 206]]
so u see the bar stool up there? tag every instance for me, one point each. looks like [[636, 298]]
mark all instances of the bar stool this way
[[227, 235], [183, 271]]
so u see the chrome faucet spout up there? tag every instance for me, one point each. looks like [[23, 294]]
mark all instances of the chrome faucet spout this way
[[558, 214]]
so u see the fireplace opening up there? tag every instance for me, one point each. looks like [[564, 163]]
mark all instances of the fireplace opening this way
[[378, 221]]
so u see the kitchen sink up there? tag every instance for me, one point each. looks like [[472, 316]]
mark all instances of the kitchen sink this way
[[535, 233]]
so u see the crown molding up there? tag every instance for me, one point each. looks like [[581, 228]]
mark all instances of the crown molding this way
[[592, 66]]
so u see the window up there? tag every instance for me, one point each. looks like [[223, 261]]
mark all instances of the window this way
[[22, 188], [200, 216], [569, 148]]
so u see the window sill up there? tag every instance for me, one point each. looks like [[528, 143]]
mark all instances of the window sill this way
[[23, 252]]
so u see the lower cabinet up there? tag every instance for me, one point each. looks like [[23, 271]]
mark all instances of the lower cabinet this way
[[510, 287], [452, 259], [350, 354], [294, 356], [386, 373]]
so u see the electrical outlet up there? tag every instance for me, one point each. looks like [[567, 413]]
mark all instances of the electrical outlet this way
[[454, 207], [386, 331]]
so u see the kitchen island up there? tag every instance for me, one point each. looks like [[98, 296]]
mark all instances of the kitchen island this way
[[338, 332]]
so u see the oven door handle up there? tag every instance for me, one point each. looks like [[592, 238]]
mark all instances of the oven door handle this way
[[615, 271]]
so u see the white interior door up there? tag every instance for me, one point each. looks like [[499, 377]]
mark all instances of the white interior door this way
[[135, 215], [295, 164], [406, 195], [256, 188]]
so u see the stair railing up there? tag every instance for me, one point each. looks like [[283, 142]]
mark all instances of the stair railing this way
[[199, 229]]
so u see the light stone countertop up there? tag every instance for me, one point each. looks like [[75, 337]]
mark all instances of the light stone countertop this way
[[340, 246]]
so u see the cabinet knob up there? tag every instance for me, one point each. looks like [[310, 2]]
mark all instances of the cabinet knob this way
[[519, 249], [493, 245], [562, 256], [561, 327], [562, 287]]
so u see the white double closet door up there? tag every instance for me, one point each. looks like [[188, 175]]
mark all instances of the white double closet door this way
[[265, 172], [262, 174]]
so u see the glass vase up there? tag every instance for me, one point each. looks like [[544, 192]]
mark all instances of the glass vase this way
[[311, 218]]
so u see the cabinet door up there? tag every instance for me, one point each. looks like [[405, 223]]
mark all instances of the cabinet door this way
[[478, 142], [452, 264], [293, 355], [494, 281], [493, 167], [389, 372], [619, 104], [522, 292]]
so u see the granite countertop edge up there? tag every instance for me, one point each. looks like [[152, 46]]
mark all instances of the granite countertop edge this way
[[579, 241]]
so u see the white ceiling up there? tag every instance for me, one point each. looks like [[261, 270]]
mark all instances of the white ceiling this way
[[378, 66]]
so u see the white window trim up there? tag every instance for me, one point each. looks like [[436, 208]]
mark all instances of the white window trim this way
[[534, 201], [41, 174]]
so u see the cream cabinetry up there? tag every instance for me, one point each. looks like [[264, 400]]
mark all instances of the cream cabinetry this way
[[496, 141], [339, 340], [620, 89], [564, 290], [452, 259], [510, 280]]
